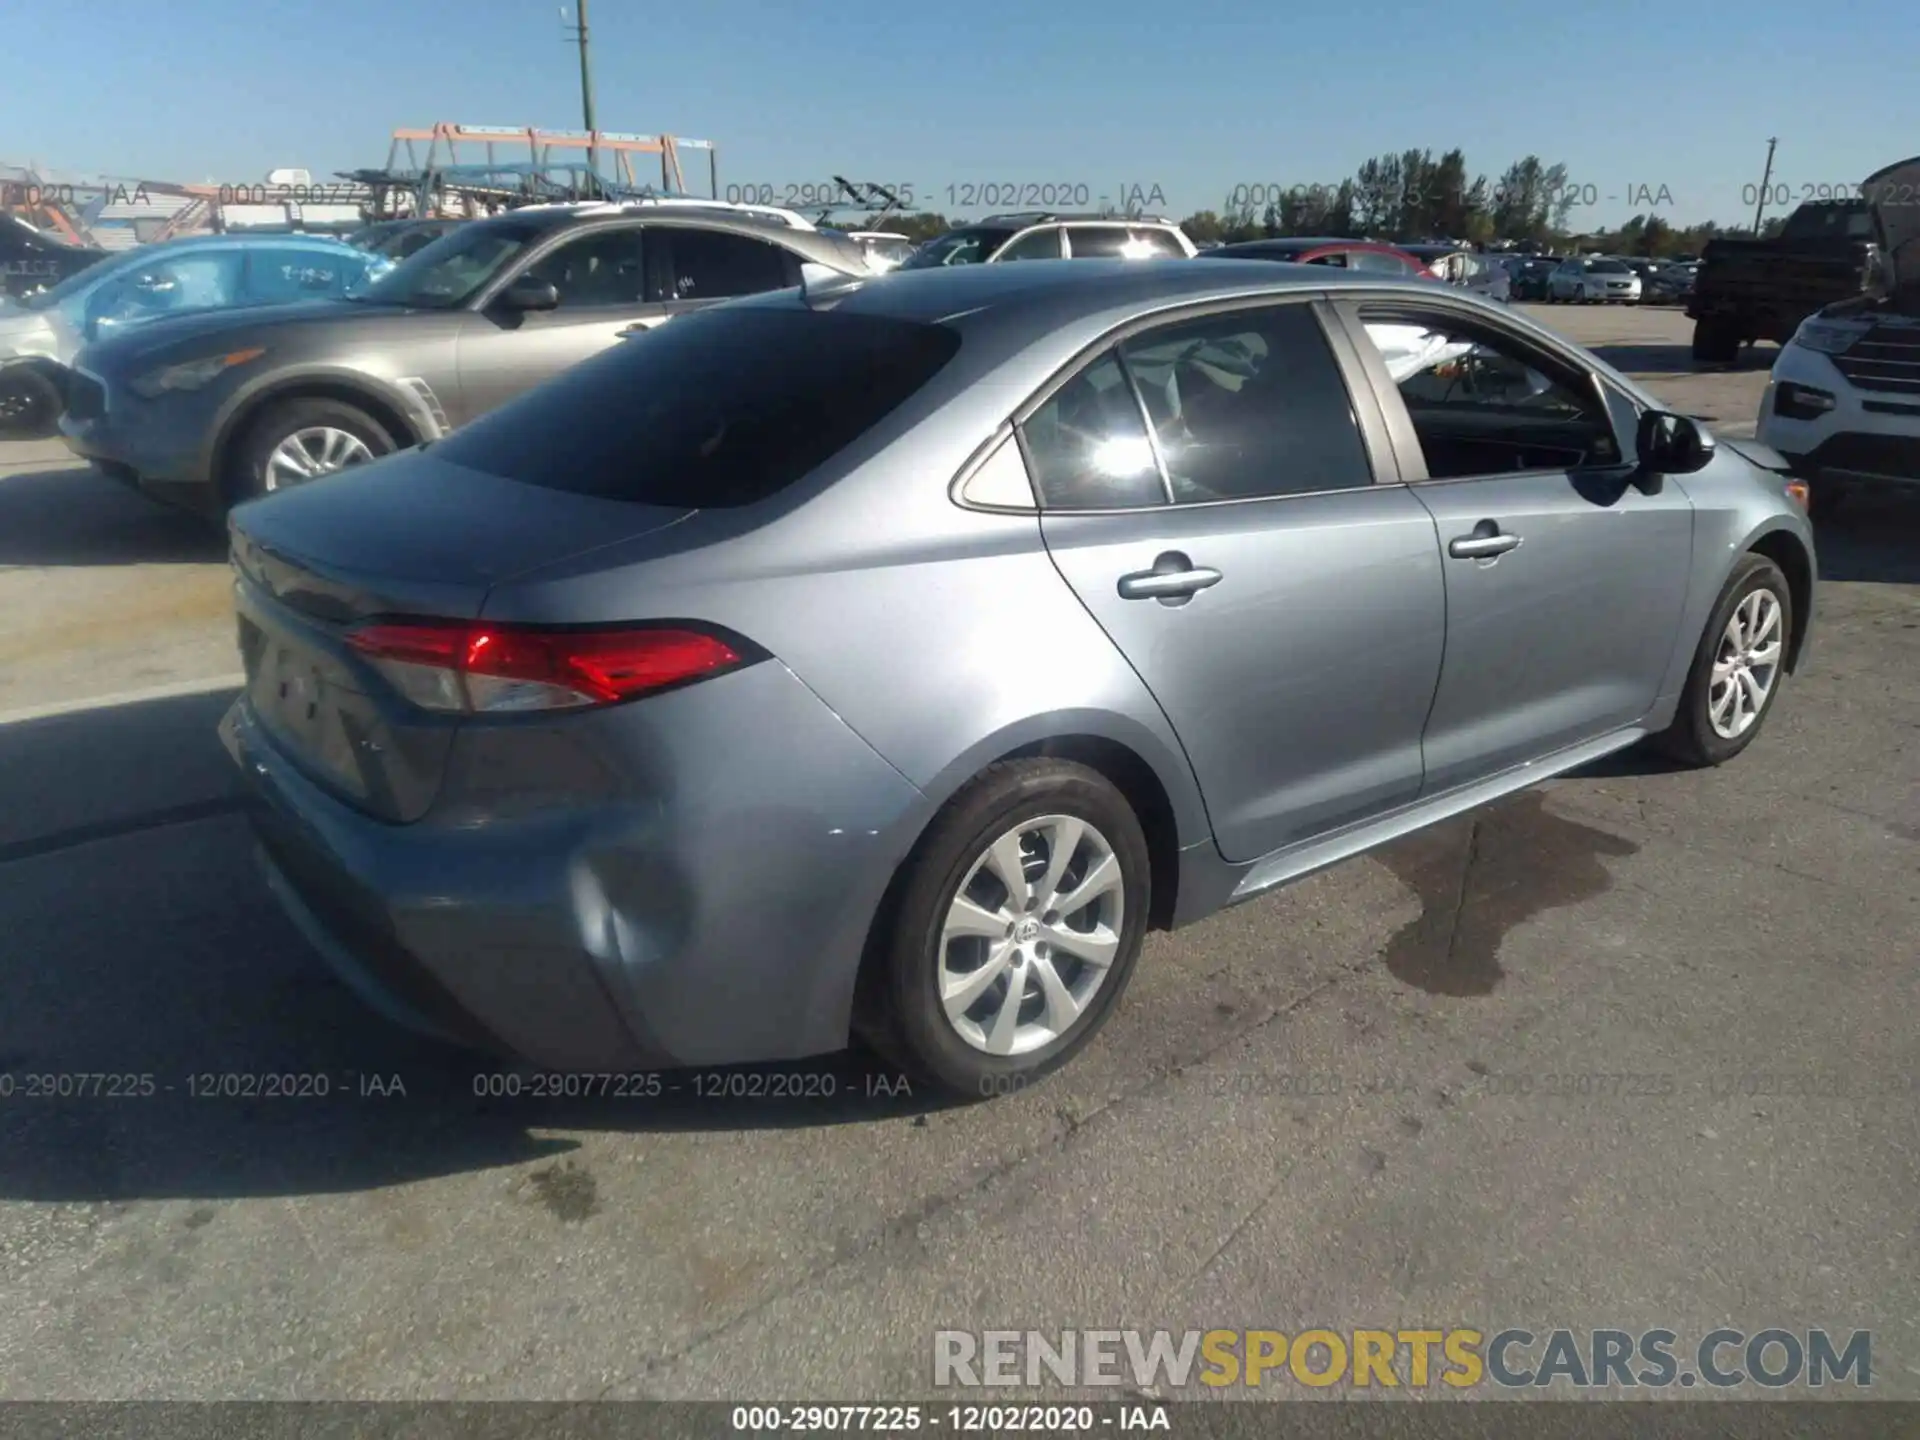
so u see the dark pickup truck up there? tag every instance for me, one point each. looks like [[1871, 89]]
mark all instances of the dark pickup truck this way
[[33, 260], [1828, 251]]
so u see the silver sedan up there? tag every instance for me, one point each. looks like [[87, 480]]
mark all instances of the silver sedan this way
[[890, 656]]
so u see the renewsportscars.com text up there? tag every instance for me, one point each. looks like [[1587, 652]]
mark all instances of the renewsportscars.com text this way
[[1458, 1357]]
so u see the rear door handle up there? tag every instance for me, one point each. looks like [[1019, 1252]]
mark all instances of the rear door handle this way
[[1173, 577], [1484, 543]]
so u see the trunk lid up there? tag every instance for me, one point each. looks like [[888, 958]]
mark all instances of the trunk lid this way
[[408, 536]]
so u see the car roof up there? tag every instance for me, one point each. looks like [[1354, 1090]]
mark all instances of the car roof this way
[[829, 246], [246, 241], [1039, 297], [1297, 244]]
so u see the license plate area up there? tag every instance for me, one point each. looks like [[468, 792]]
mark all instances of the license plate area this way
[[309, 702]]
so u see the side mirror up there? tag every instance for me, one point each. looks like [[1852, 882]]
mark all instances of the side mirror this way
[[529, 292], [1670, 444]]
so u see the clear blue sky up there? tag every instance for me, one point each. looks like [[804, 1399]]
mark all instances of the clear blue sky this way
[[1194, 95]]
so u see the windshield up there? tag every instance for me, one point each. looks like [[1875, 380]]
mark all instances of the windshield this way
[[1607, 267], [957, 247], [452, 270]]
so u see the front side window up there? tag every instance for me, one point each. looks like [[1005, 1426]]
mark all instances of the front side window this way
[[182, 282], [455, 268], [716, 264], [1484, 404], [602, 267], [957, 247], [1248, 404], [1335, 258]]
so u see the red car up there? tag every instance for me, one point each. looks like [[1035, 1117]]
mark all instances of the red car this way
[[1365, 255]]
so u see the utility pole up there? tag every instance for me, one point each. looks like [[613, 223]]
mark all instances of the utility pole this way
[[1758, 208], [586, 87]]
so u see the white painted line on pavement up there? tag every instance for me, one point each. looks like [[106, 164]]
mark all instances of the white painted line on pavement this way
[[202, 686]]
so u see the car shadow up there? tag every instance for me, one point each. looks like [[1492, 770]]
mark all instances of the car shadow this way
[[1873, 537], [72, 516], [166, 1033], [1665, 359]]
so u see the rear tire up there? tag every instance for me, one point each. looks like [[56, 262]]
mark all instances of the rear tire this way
[[1694, 738], [1715, 342], [920, 955], [314, 426]]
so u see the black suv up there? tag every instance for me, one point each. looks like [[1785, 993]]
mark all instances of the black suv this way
[[32, 260]]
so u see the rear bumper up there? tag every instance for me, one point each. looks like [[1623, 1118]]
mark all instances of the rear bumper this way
[[721, 920]]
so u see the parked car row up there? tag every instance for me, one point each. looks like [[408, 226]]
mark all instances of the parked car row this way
[[236, 401]]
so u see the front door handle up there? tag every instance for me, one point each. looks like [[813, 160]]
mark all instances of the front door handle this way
[[1484, 543], [1173, 578]]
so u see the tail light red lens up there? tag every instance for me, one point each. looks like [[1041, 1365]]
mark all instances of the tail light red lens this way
[[485, 668]]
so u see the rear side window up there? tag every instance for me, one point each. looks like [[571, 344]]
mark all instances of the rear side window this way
[[721, 407], [1158, 242], [1097, 242], [1248, 404], [1376, 262], [716, 264], [1087, 446], [277, 277]]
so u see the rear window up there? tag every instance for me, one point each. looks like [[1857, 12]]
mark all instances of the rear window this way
[[723, 407]]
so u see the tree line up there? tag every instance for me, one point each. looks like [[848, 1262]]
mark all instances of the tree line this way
[[1410, 196]]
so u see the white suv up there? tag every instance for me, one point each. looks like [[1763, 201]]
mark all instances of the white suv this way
[[1039, 235], [1843, 403]]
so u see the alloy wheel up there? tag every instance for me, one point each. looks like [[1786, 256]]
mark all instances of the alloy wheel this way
[[1745, 665], [309, 453], [1031, 935]]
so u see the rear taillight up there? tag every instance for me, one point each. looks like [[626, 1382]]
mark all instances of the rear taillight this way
[[491, 669]]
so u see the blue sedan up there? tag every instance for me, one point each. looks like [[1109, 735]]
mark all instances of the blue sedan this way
[[40, 334]]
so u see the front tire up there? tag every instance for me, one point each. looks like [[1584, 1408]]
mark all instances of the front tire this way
[[1018, 921], [302, 439], [30, 403], [1737, 669]]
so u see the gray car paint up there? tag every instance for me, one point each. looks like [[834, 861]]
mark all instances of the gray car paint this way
[[692, 878], [421, 372]]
